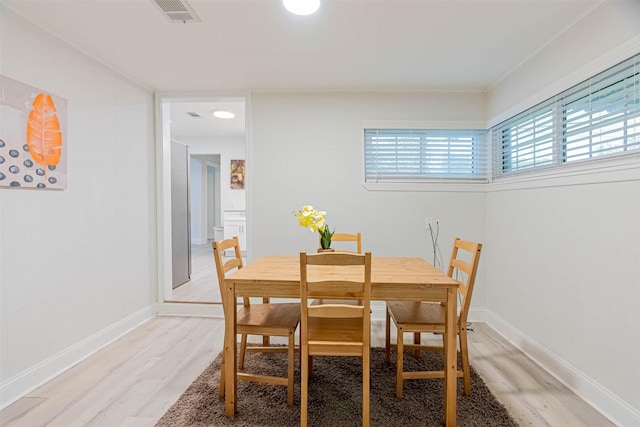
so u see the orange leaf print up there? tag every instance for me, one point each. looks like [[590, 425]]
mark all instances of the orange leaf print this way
[[43, 132]]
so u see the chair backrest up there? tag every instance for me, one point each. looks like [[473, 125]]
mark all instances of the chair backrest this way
[[346, 237], [467, 264], [223, 267], [350, 280]]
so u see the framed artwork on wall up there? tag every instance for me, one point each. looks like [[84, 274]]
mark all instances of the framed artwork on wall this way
[[33, 137], [237, 174]]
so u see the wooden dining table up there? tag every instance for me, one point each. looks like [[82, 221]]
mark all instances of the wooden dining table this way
[[392, 279]]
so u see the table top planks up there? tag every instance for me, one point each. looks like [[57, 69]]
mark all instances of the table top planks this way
[[392, 278]]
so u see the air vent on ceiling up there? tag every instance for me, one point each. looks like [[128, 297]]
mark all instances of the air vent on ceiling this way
[[193, 114], [177, 11]]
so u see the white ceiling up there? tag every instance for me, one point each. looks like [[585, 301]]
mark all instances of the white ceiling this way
[[256, 45], [184, 124]]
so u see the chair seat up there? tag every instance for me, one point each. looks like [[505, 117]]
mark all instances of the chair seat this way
[[275, 317], [417, 314]]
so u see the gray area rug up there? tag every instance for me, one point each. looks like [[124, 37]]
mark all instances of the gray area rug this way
[[335, 396]]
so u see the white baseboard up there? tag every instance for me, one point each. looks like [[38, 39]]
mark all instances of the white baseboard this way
[[190, 309], [19, 385], [477, 315], [603, 400]]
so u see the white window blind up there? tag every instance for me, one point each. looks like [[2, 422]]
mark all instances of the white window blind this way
[[597, 118], [601, 116], [526, 140], [414, 155]]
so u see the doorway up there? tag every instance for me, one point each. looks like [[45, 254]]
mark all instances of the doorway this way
[[213, 144]]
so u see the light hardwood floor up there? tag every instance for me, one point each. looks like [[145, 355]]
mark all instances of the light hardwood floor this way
[[133, 381], [203, 286]]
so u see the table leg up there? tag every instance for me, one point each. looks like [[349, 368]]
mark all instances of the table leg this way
[[450, 373], [230, 354]]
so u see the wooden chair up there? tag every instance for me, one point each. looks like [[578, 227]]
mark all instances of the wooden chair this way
[[418, 317], [343, 237], [346, 237], [258, 319], [335, 329]]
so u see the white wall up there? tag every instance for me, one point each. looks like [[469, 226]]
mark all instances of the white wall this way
[[562, 253], [569, 279], [77, 267], [307, 148], [229, 148], [197, 204]]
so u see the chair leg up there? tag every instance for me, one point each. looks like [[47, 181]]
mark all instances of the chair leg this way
[[222, 383], [399, 356], [243, 350], [465, 360], [464, 352], [387, 338], [290, 366], [416, 340], [304, 385], [444, 349], [366, 384]]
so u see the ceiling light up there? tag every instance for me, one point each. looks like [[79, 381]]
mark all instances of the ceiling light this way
[[222, 114], [302, 7]]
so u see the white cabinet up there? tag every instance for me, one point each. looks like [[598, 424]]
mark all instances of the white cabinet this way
[[235, 224]]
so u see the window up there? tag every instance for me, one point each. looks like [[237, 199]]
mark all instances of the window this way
[[597, 118], [528, 141], [415, 155]]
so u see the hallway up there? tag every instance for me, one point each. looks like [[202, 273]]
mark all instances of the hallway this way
[[203, 286]]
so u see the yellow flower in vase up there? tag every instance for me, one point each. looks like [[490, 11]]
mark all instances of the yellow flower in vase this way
[[313, 219]]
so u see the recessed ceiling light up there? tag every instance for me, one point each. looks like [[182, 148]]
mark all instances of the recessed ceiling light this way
[[222, 114], [302, 7]]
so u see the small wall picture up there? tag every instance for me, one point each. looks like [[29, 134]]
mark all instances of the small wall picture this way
[[237, 174], [33, 137]]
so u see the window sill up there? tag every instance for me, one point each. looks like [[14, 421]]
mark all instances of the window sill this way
[[593, 172], [602, 171], [431, 186]]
